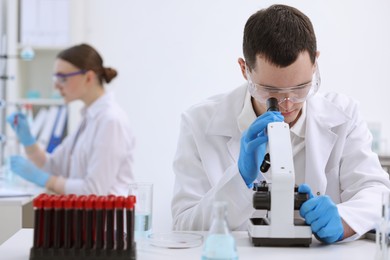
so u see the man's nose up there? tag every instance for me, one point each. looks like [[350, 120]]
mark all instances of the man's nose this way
[[286, 104]]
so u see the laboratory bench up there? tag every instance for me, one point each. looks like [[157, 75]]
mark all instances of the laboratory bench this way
[[16, 209], [18, 248]]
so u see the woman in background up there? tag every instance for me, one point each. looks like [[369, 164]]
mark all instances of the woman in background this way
[[97, 158]]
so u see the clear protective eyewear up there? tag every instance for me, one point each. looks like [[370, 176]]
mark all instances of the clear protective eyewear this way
[[60, 78], [296, 94]]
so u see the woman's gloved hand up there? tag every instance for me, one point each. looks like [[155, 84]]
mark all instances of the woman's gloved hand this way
[[19, 124], [253, 146], [27, 170], [322, 215]]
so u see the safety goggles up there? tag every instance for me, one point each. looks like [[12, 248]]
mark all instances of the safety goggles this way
[[296, 94], [60, 78]]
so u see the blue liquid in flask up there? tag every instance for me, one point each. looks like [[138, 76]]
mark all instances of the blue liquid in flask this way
[[219, 244], [220, 247]]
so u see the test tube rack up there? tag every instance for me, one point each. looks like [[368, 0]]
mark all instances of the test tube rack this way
[[83, 227]]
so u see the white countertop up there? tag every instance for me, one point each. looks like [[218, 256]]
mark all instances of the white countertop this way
[[18, 248]]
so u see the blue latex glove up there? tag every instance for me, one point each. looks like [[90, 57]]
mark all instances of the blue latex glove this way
[[21, 128], [253, 146], [322, 215], [27, 170]]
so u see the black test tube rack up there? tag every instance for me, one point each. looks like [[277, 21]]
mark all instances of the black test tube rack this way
[[83, 227]]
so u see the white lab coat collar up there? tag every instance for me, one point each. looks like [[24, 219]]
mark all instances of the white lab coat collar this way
[[247, 115], [225, 123], [322, 116], [299, 128]]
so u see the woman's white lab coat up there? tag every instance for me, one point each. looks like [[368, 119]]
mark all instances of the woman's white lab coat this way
[[339, 162], [101, 160]]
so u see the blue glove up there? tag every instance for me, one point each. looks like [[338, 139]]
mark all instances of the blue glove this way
[[322, 215], [18, 122], [27, 170], [253, 146]]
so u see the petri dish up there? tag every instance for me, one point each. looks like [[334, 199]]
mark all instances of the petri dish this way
[[175, 240]]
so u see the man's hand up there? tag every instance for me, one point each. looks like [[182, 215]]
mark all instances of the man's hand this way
[[253, 146], [322, 216]]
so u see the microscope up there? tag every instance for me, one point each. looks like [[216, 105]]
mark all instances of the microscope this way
[[279, 196]]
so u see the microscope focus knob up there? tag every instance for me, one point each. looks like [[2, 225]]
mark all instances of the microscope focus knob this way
[[299, 199], [262, 200]]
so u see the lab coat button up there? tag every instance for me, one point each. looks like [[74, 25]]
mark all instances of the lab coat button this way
[[318, 193]]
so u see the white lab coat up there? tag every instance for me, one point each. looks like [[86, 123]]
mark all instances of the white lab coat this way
[[101, 161], [339, 162]]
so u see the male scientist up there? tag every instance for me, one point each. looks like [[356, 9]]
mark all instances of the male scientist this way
[[223, 139]]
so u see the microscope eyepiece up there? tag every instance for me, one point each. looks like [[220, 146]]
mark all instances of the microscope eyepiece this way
[[272, 104]]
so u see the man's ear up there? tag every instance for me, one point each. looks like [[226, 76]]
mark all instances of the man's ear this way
[[242, 64]]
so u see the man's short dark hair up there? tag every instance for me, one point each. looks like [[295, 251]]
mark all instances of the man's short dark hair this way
[[278, 34]]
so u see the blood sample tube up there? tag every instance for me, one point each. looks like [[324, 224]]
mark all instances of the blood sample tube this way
[[68, 203], [58, 221], [119, 203], [48, 221], [110, 222], [38, 220], [79, 221], [129, 205], [89, 223], [99, 209]]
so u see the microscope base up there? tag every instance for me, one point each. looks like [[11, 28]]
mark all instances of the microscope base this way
[[282, 242], [260, 233]]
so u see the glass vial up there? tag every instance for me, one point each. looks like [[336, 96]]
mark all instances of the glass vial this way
[[220, 243], [382, 230]]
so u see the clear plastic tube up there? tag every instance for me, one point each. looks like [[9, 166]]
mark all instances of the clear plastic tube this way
[[382, 230]]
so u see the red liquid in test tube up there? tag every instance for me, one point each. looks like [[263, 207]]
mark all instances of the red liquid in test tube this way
[[69, 204], [100, 204], [48, 232], [129, 205], [58, 221], [38, 220], [89, 207], [79, 222], [119, 204], [110, 222]]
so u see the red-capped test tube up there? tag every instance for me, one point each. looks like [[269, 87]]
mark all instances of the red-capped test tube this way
[[58, 221], [100, 204], [110, 222], [89, 222], [38, 220], [129, 205], [119, 204], [69, 204], [15, 121], [79, 222], [48, 232]]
